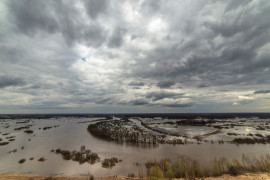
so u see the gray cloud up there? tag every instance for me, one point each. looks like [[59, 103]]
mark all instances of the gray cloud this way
[[31, 15], [165, 84], [184, 105], [155, 96], [203, 85], [262, 92], [103, 100], [96, 7], [245, 102], [138, 102], [233, 5], [103, 55], [35, 16], [136, 83], [11, 81], [116, 40], [209, 62]]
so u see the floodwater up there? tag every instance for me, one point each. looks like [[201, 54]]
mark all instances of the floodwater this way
[[71, 135]]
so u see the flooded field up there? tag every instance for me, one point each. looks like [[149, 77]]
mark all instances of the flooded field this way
[[79, 145]]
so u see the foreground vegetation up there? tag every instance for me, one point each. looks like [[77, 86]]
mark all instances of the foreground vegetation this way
[[247, 176], [185, 167]]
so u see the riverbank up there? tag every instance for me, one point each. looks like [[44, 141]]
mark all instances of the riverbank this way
[[247, 176]]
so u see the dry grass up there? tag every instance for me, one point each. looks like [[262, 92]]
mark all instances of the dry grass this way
[[248, 176], [185, 167]]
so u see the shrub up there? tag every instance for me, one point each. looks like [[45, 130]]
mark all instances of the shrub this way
[[197, 170], [169, 174], [66, 154], [232, 171], [131, 175], [42, 159], [106, 163], [178, 169], [91, 177], [28, 131], [48, 178], [109, 163], [3, 143], [156, 172], [21, 161], [94, 158], [149, 164]]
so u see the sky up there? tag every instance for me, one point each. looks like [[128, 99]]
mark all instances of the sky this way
[[152, 56]]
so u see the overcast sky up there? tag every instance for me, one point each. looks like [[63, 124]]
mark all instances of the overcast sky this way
[[113, 56]]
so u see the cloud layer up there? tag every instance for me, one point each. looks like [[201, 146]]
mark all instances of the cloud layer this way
[[101, 56]]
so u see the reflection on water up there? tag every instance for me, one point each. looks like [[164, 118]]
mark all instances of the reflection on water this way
[[71, 136]]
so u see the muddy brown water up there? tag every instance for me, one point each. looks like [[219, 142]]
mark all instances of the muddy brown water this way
[[71, 135]]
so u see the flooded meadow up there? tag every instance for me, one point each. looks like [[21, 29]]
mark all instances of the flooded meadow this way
[[107, 145]]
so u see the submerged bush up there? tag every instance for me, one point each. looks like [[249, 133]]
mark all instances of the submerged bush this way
[[28, 131], [109, 163], [21, 161], [81, 156], [42, 159], [3, 143]]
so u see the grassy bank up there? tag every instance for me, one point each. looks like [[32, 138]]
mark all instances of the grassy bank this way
[[185, 167]]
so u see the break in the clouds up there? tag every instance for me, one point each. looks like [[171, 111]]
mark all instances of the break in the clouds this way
[[101, 56]]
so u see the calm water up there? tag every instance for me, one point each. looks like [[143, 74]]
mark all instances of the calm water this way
[[71, 135]]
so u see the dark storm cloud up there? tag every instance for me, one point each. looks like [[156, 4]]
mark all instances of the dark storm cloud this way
[[32, 15], [203, 85], [165, 84], [262, 92], [155, 96], [232, 61], [11, 54], [11, 81], [74, 30], [138, 102], [116, 39], [96, 7], [233, 5], [184, 105], [136, 83], [91, 35]]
